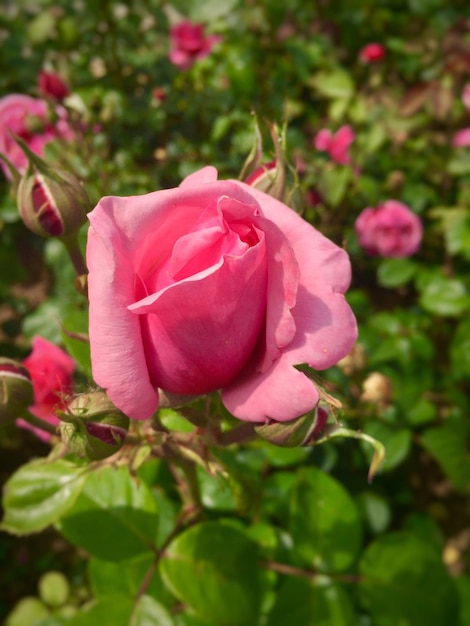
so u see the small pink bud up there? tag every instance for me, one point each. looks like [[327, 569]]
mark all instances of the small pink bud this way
[[16, 390], [371, 53], [93, 427], [51, 85]]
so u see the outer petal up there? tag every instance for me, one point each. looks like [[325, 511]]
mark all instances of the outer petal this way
[[281, 394], [117, 352], [325, 326]]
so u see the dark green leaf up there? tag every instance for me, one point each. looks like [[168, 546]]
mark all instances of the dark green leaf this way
[[448, 444], [324, 522], [316, 602], [395, 272], [403, 581]]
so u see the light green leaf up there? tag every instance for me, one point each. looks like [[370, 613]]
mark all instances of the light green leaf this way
[[39, 493], [335, 84], [115, 516], [445, 296], [395, 272], [149, 612], [213, 568]]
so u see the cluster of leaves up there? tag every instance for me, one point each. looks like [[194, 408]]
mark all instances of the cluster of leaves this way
[[275, 536]]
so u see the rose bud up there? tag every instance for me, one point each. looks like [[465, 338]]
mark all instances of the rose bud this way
[[16, 390], [51, 85], [298, 432], [93, 427], [51, 202]]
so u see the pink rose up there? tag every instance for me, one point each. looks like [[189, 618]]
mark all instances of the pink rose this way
[[28, 118], [51, 372], [461, 139], [213, 285], [336, 144], [188, 44], [51, 85], [390, 230], [371, 53]]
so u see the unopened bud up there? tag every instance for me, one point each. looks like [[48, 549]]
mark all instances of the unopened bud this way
[[377, 388], [53, 205], [16, 390], [93, 427], [51, 85], [301, 431]]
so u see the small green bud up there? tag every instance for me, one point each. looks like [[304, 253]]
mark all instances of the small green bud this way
[[16, 390], [92, 426], [301, 431]]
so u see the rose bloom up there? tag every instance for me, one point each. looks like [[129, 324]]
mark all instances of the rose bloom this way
[[213, 285], [188, 44], [461, 139], [51, 372], [336, 144], [51, 85], [390, 230], [27, 118], [371, 53]]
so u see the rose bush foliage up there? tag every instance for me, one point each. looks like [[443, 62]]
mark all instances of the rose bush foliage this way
[[213, 285]]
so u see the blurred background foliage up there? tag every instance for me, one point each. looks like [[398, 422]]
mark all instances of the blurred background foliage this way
[[146, 125]]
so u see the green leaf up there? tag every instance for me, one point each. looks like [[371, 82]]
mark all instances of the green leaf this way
[[76, 323], [213, 568], [112, 610], [316, 602], [460, 350], [149, 612], [403, 581], [39, 493], [335, 84], [397, 442], [114, 518], [126, 577], [463, 586], [395, 272], [333, 184], [28, 611], [324, 522], [448, 444], [445, 296]]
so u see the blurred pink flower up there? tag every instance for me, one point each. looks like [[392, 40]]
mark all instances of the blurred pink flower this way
[[466, 97], [390, 230], [51, 372], [28, 118], [461, 139], [336, 144], [371, 53], [188, 43], [51, 85]]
